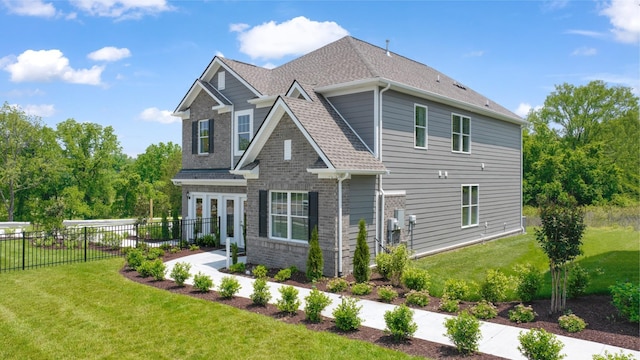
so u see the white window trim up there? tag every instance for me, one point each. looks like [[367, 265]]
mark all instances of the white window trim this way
[[426, 126], [221, 80], [462, 135], [462, 206], [200, 137], [289, 216], [236, 142]]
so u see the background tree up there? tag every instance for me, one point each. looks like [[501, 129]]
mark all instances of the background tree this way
[[361, 256]]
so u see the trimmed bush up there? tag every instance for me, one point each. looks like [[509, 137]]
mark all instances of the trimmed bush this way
[[464, 331], [578, 282], [260, 271], [522, 314], [529, 281], [315, 303], [484, 310], [416, 279], [608, 356], [261, 293], [288, 302], [154, 253], [400, 322], [495, 286], [419, 298], [626, 298], [346, 314], [202, 282], [361, 256], [237, 267], [383, 265], [283, 275], [155, 269], [399, 261], [180, 272], [134, 258], [337, 285], [538, 344], [456, 289], [572, 323], [361, 289], [229, 287], [387, 293], [449, 305], [315, 263], [145, 268]]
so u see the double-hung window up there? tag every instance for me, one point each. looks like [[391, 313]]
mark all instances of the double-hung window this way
[[420, 126], [460, 133], [289, 215], [243, 128], [470, 205], [203, 136]]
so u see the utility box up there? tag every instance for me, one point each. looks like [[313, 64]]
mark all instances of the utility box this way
[[399, 215], [412, 219]]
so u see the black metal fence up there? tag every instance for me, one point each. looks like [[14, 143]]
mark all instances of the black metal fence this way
[[31, 249]]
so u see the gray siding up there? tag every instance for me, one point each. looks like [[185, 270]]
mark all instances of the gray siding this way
[[358, 109], [362, 205], [436, 201]]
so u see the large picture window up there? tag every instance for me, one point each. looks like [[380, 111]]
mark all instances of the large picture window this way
[[470, 205], [203, 137], [460, 133], [243, 129], [420, 129], [289, 215]]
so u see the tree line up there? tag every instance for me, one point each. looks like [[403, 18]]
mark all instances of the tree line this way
[[78, 171]]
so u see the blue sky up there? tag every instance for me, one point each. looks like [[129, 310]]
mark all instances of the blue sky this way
[[128, 63]]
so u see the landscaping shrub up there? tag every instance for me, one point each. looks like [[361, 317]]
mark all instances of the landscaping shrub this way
[[528, 282], [449, 305], [400, 322], [229, 287], [134, 258], [361, 289], [346, 314], [209, 240], [261, 293], [626, 298], [578, 281], [145, 268], [456, 289], [538, 344], [522, 314], [608, 356], [464, 331], [383, 265], [194, 247], [361, 256], [337, 285], [572, 323], [416, 279], [288, 302], [315, 263], [484, 310], [158, 269], [202, 282], [420, 298], [399, 261], [283, 275], [165, 246], [180, 272], [154, 253], [387, 293], [234, 253], [237, 267], [495, 286], [315, 303], [260, 271]]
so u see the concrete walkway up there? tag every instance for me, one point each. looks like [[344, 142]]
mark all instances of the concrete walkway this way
[[499, 340]]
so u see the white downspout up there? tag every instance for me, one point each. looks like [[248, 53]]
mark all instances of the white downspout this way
[[380, 210], [522, 228], [341, 178]]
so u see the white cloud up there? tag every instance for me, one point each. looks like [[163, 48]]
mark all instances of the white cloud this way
[[42, 110], [623, 80], [50, 65], [219, 54], [624, 15], [109, 53], [584, 51], [122, 9], [588, 33], [551, 5], [238, 27], [30, 8], [524, 109], [476, 53], [153, 114], [295, 37]]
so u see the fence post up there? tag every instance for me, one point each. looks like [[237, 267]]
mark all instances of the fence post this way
[[182, 234], [136, 234], [24, 247], [85, 244]]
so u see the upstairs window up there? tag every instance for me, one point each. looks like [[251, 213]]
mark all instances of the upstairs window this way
[[243, 129], [460, 133], [203, 137], [470, 205], [420, 128]]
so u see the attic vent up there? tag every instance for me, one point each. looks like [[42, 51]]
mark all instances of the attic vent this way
[[487, 103], [387, 49], [438, 79], [459, 86]]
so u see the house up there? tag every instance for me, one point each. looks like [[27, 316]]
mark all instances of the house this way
[[349, 131]]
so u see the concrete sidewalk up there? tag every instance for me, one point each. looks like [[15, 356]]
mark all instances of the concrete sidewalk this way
[[499, 340]]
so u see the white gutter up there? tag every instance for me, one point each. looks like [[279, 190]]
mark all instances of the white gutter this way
[[380, 208], [524, 231]]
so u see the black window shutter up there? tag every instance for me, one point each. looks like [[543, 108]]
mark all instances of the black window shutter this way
[[194, 137], [263, 213], [313, 211], [211, 136]]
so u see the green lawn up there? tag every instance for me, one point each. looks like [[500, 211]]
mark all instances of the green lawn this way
[[610, 255], [89, 311]]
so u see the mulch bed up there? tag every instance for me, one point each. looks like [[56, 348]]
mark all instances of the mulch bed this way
[[604, 325]]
